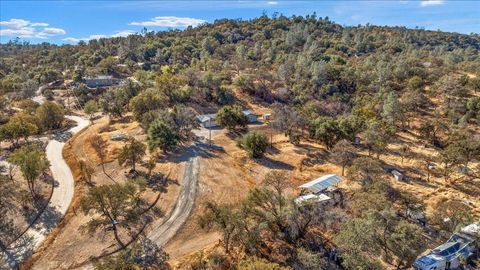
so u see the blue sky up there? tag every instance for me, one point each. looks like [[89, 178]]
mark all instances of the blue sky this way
[[70, 21]]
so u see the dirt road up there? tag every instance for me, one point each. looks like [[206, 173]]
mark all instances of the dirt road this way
[[56, 208], [163, 233]]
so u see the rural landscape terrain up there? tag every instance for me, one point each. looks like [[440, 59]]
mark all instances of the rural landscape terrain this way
[[271, 143]]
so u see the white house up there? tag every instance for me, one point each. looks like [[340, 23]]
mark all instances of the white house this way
[[207, 120], [252, 117]]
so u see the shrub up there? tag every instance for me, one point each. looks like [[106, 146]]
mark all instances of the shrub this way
[[254, 143]]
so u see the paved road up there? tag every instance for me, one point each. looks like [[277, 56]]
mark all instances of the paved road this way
[[162, 234], [57, 207]]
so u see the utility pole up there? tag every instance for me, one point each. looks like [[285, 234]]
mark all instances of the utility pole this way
[[210, 131], [271, 133]]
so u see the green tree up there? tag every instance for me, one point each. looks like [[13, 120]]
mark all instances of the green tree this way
[[221, 217], [231, 117], [326, 130], [131, 153], [449, 157], [112, 207], [163, 136], [32, 163], [376, 138], [168, 83], [356, 242], [16, 129], [254, 143], [148, 100], [391, 113], [406, 242], [50, 115], [90, 108]]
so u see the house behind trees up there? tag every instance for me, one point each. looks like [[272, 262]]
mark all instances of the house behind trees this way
[[101, 81]]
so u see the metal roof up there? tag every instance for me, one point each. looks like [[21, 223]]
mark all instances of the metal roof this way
[[322, 183], [426, 261], [206, 117], [248, 112]]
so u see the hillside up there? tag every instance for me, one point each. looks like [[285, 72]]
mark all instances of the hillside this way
[[360, 102]]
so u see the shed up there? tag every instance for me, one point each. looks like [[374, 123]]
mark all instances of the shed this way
[[312, 197], [251, 116], [207, 120], [398, 175], [322, 183]]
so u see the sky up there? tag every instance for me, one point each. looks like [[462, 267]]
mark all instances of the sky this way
[[71, 21]]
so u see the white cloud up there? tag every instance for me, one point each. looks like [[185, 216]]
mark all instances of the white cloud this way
[[123, 33], [170, 21], [426, 3], [39, 24], [272, 2], [26, 29], [22, 32], [14, 23], [51, 31]]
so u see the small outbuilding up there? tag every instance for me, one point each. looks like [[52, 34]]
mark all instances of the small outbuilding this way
[[207, 120], [251, 116], [398, 175], [312, 198], [266, 117]]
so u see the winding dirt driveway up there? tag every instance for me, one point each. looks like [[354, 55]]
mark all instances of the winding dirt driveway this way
[[163, 233], [58, 205]]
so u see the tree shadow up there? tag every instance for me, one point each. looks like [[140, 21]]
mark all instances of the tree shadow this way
[[17, 252], [48, 219], [467, 186], [273, 164], [160, 182]]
